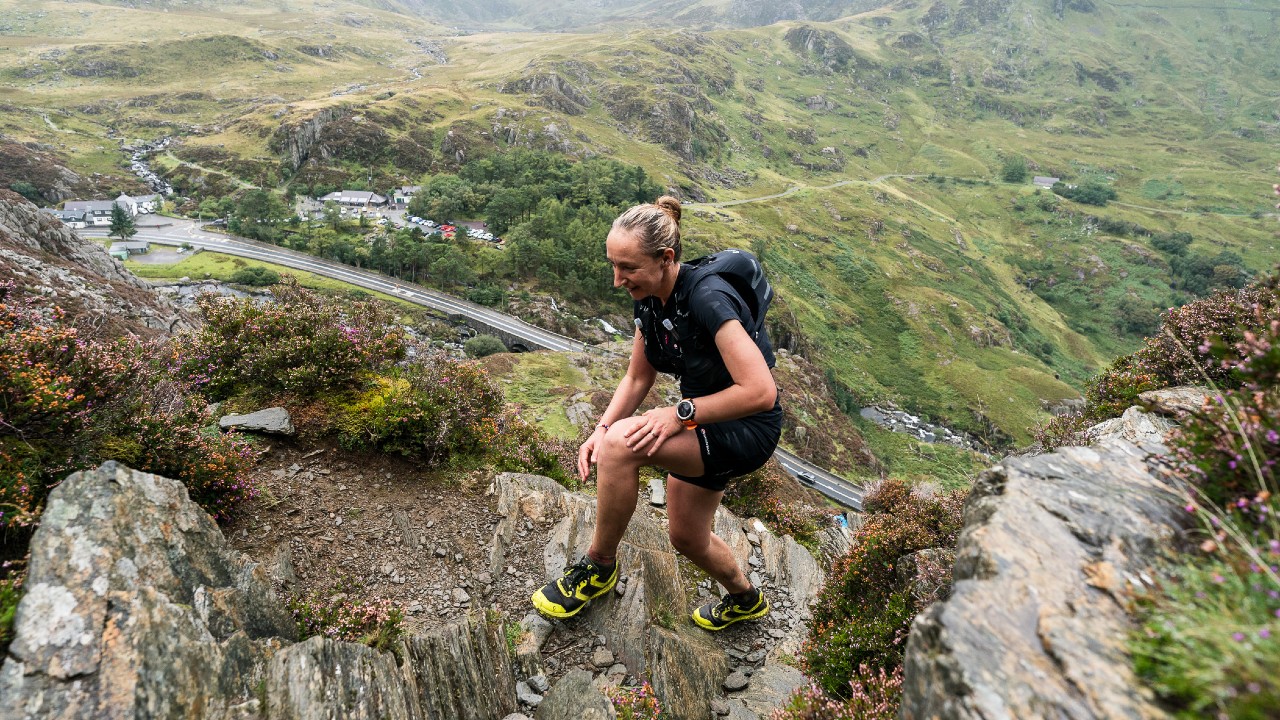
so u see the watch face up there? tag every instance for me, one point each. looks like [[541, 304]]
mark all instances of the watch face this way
[[684, 410]]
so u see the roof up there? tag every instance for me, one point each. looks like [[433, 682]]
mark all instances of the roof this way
[[1042, 180], [355, 196], [410, 189], [64, 214], [140, 245], [89, 205]]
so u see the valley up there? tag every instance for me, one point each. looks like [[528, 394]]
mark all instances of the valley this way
[[860, 154]]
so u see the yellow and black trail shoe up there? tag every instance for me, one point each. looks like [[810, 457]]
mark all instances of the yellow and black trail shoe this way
[[582, 582], [732, 608]]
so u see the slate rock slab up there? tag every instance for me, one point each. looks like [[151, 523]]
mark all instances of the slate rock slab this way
[[1036, 623], [271, 421]]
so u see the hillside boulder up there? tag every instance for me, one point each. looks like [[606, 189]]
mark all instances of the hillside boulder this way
[[1036, 622], [136, 607]]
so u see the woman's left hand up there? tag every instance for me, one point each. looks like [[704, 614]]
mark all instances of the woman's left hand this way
[[659, 424]]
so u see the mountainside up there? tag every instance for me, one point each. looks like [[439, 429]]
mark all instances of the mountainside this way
[[905, 266]]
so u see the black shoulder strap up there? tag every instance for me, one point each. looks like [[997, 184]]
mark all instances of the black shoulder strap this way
[[742, 271]]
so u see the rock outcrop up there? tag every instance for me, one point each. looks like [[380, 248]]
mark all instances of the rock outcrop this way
[[296, 141], [647, 626], [135, 607], [1036, 624], [47, 258]]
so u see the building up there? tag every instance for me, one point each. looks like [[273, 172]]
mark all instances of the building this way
[[96, 212], [139, 205], [139, 247], [355, 198], [403, 195], [1045, 182], [70, 218]]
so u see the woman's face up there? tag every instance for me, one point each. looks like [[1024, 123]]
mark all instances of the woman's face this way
[[637, 271]]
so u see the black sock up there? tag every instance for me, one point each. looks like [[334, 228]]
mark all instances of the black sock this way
[[603, 565], [750, 596]]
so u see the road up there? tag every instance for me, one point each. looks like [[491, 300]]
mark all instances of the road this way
[[170, 231], [833, 486], [176, 232]]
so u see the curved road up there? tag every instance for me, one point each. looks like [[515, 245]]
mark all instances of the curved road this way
[[176, 232], [172, 231]]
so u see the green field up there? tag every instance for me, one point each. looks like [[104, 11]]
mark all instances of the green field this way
[[208, 265]]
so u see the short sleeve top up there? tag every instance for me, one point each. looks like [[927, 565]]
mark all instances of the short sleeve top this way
[[687, 346]]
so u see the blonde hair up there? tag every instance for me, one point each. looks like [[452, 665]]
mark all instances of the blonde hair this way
[[657, 224]]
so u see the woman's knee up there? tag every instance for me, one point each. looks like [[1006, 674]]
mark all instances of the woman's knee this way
[[614, 447], [689, 544]]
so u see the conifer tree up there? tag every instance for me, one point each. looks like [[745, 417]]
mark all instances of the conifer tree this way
[[121, 223]]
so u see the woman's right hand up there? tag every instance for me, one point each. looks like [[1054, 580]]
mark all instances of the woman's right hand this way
[[588, 453]]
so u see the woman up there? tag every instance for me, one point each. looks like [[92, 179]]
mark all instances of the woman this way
[[726, 426]]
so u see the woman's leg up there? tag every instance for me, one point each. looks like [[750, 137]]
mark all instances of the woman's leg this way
[[618, 481], [691, 511]]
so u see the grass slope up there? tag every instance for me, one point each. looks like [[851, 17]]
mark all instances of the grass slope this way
[[969, 300]]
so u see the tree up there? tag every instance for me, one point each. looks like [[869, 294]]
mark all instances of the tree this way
[[333, 215], [121, 223], [258, 215], [1014, 170], [443, 197], [27, 190]]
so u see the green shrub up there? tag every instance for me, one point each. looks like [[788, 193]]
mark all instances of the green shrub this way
[[521, 447], [303, 344], [334, 613], [864, 611], [1208, 640], [70, 403], [1181, 353], [432, 408], [759, 495], [1014, 169], [1089, 193], [14, 573], [1230, 449], [873, 695], [484, 346], [214, 466], [255, 275]]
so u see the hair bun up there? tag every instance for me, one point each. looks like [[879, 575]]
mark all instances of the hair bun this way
[[670, 206]]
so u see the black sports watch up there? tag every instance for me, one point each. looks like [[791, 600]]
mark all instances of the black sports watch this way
[[684, 413]]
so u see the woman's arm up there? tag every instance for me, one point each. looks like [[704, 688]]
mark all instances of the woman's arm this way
[[630, 393], [633, 387], [753, 389]]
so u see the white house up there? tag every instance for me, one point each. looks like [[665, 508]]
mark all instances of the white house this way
[[1044, 182], [404, 194], [96, 212], [70, 218], [141, 204], [354, 198]]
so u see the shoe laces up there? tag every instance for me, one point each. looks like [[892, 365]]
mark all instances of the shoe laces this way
[[721, 607], [577, 574]]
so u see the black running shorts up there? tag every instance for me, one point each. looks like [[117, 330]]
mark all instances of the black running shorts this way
[[736, 447]]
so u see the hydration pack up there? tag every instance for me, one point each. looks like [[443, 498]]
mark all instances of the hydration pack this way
[[670, 351], [742, 271]]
